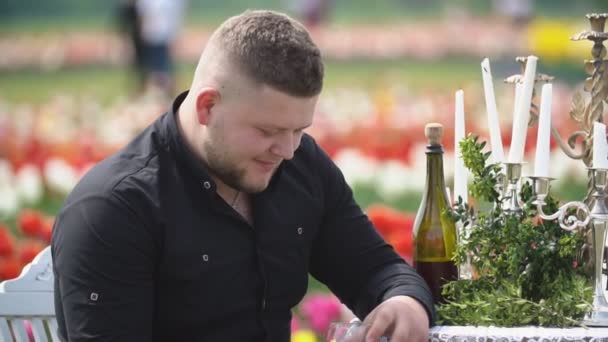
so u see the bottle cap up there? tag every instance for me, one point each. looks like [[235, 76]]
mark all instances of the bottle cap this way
[[433, 132]]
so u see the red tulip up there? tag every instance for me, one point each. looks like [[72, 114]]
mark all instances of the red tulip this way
[[403, 243], [386, 219], [379, 215], [28, 251], [9, 268], [396, 228], [7, 244], [47, 229], [35, 151], [30, 222]]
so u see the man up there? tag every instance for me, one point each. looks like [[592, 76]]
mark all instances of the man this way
[[205, 227]]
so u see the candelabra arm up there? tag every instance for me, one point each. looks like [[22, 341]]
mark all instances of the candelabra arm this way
[[568, 147], [566, 220]]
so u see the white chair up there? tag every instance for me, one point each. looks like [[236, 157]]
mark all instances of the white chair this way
[[28, 299]]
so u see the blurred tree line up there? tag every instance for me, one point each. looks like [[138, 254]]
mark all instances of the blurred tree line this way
[[353, 9]]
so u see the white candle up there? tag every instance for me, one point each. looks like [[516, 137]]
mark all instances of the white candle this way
[[460, 172], [522, 114], [541, 162], [600, 146], [498, 155], [518, 88]]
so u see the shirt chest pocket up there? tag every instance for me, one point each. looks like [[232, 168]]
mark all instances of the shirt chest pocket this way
[[293, 237], [203, 268], [202, 280], [191, 265], [215, 256]]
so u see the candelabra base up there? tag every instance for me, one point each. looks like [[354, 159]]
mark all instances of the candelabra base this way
[[597, 319]]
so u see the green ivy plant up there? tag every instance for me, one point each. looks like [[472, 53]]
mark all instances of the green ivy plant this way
[[527, 271]]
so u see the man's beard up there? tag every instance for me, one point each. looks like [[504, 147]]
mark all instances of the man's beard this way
[[227, 171]]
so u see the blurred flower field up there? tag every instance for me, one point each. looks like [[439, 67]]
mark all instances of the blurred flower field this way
[[374, 136]]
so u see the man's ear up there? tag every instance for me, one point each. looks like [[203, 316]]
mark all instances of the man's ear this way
[[205, 100]]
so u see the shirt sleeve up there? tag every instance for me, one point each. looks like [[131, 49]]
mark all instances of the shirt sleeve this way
[[352, 259], [103, 261]]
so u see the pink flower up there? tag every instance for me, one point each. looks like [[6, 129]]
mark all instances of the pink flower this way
[[320, 310], [295, 324], [28, 330]]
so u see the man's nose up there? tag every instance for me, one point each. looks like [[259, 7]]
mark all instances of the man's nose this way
[[284, 146]]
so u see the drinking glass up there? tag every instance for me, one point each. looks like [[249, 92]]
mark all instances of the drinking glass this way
[[346, 332]]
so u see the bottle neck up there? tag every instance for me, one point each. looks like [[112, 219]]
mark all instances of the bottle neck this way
[[434, 169]]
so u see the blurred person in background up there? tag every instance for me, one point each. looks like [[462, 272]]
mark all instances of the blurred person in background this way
[[312, 13], [519, 12], [160, 22], [206, 226], [130, 27]]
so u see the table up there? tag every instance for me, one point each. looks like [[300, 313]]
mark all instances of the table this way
[[524, 334]]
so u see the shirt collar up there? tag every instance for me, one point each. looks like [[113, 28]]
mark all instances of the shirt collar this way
[[181, 151]]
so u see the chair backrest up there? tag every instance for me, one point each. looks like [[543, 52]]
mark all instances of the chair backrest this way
[[26, 303]]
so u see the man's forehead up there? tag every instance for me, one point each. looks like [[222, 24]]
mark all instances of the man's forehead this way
[[283, 114]]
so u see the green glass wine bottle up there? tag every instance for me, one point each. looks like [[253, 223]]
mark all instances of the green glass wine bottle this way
[[434, 233]]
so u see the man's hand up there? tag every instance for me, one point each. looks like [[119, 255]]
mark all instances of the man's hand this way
[[401, 318]]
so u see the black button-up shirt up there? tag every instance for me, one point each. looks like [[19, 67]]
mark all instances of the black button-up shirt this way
[[145, 249]]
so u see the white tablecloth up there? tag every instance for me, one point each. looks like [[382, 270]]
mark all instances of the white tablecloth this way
[[527, 334]]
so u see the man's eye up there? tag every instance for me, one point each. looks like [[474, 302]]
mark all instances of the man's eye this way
[[266, 132]]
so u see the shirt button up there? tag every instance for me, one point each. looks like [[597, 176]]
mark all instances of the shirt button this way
[[205, 257], [207, 185], [300, 230]]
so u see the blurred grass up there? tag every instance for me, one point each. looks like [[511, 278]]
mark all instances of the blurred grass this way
[[106, 83]]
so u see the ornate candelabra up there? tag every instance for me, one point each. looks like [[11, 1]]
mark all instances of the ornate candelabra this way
[[577, 215], [591, 214]]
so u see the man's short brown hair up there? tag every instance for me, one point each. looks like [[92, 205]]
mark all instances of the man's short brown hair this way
[[273, 49]]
